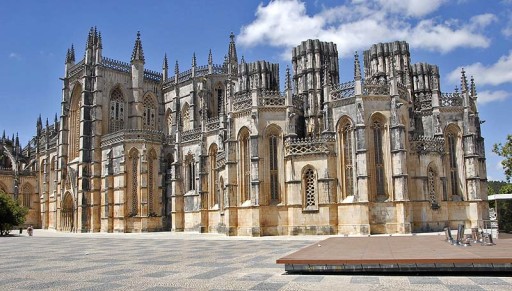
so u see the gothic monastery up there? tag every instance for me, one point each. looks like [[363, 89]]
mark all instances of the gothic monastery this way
[[219, 148]]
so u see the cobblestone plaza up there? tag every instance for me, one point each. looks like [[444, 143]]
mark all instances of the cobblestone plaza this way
[[186, 261]]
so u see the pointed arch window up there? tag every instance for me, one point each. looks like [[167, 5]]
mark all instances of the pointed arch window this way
[[117, 111], [452, 152], [431, 185], [74, 123], [53, 175], [378, 151], [185, 117], [310, 189], [274, 168], [217, 100], [190, 173], [214, 192], [151, 186], [347, 160], [245, 166], [169, 123], [27, 192], [149, 115], [134, 163]]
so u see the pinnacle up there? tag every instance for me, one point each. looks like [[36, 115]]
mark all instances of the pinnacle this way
[[138, 53], [464, 81], [165, 64], [357, 67]]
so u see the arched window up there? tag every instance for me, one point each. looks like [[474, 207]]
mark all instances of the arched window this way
[[26, 193], [192, 175], [274, 173], [149, 115], [245, 165], [185, 117], [213, 189], [217, 100], [221, 193], [117, 114], [134, 185], [309, 189], [151, 186], [53, 175], [378, 159], [431, 185], [74, 123], [347, 159], [451, 139], [169, 121]]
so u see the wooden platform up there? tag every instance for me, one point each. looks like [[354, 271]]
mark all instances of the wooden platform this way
[[415, 253]]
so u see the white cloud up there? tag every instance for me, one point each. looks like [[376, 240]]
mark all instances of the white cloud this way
[[357, 25], [15, 56], [495, 74], [415, 8], [481, 21], [490, 96], [507, 29], [445, 37]]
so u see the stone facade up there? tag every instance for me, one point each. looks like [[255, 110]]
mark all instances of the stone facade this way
[[218, 148]]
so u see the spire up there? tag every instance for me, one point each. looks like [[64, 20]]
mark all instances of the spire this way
[[242, 60], [47, 123], [100, 42], [210, 57], [473, 87], [194, 61], [463, 81], [55, 119], [165, 65], [165, 69], [232, 59], [90, 39], [287, 80], [3, 135], [138, 53], [95, 36], [232, 49], [67, 57], [17, 143], [357, 67], [72, 54], [176, 68]]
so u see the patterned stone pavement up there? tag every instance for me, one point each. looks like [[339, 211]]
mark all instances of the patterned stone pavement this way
[[176, 261]]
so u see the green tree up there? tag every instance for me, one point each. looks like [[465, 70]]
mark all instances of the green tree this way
[[505, 209], [11, 213], [505, 151]]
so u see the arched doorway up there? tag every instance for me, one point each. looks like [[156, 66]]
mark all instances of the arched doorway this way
[[67, 213]]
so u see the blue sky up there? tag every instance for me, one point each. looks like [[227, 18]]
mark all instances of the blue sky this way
[[473, 34]]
